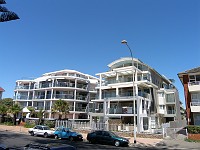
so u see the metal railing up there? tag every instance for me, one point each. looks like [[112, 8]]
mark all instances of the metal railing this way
[[194, 83], [194, 103]]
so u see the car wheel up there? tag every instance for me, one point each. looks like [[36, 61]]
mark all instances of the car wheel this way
[[71, 138], [45, 135], [32, 133], [117, 143], [56, 137]]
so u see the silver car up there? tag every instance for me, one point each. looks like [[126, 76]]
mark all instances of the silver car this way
[[41, 130]]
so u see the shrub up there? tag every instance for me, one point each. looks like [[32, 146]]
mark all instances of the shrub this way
[[50, 124], [29, 125], [193, 129], [8, 123]]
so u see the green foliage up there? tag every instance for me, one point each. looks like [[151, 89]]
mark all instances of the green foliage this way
[[29, 125], [190, 140], [62, 107], [193, 129], [8, 102], [8, 123], [50, 124]]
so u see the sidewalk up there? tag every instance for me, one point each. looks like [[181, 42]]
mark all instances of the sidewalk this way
[[143, 142]]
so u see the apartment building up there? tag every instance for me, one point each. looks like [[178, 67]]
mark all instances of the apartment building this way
[[190, 80], [1, 92], [72, 86], [156, 98]]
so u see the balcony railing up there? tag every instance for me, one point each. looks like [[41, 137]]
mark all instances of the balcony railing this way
[[122, 110], [171, 111], [194, 103], [64, 84], [170, 100], [96, 110], [22, 87], [63, 96], [39, 97], [194, 83], [80, 97]]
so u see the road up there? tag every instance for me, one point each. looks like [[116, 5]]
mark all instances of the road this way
[[17, 140]]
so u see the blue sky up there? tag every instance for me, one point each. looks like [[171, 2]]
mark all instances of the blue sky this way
[[85, 35]]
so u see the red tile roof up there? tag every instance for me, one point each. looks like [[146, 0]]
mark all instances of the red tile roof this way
[[1, 89]]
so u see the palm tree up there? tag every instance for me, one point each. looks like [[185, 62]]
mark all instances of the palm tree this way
[[15, 109], [40, 115], [62, 107], [31, 109]]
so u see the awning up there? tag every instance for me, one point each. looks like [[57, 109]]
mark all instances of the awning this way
[[25, 110]]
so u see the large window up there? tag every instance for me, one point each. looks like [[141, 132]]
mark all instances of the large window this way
[[194, 78], [170, 97], [196, 119], [195, 97]]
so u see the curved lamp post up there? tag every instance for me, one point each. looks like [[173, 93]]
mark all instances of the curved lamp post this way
[[134, 115]]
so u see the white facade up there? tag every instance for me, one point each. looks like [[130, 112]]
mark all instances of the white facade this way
[[69, 85], [115, 100]]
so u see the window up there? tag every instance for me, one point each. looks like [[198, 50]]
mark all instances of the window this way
[[160, 94], [170, 97], [192, 78]]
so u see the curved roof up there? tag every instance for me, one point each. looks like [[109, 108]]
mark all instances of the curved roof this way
[[121, 61]]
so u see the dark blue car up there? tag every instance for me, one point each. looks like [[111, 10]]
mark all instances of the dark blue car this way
[[107, 137], [67, 133]]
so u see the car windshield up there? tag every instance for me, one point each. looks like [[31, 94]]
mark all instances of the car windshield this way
[[113, 134], [46, 128], [67, 129]]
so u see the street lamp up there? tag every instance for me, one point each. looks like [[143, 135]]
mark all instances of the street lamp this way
[[134, 115]]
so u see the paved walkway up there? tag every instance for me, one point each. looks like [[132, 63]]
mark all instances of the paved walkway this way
[[177, 144]]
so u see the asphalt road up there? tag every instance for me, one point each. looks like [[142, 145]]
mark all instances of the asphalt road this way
[[16, 140]]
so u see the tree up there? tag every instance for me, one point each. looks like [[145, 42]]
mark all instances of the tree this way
[[15, 109], [5, 105], [62, 107], [31, 109], [8, 102], [5, 14], [3, 112], [40, 115]]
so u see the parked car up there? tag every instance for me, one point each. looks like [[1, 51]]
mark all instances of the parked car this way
[[106, 137], [3, 147], [52, 146], [41, 130], [67, 133]]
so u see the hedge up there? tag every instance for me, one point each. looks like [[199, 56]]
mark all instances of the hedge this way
[[193, 129]]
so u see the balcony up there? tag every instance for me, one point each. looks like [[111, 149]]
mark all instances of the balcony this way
[[195, 106], [22, 87], [64, 84], [194, 86], [122, 110], [171, 111], [63, 96], [96, 110], [81, 97]]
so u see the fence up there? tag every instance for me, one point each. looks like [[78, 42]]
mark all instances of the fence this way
[[175, 130], [95, 126], [176, 133]]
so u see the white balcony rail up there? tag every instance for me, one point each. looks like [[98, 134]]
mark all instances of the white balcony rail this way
[[194, 83], [194, 103]]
